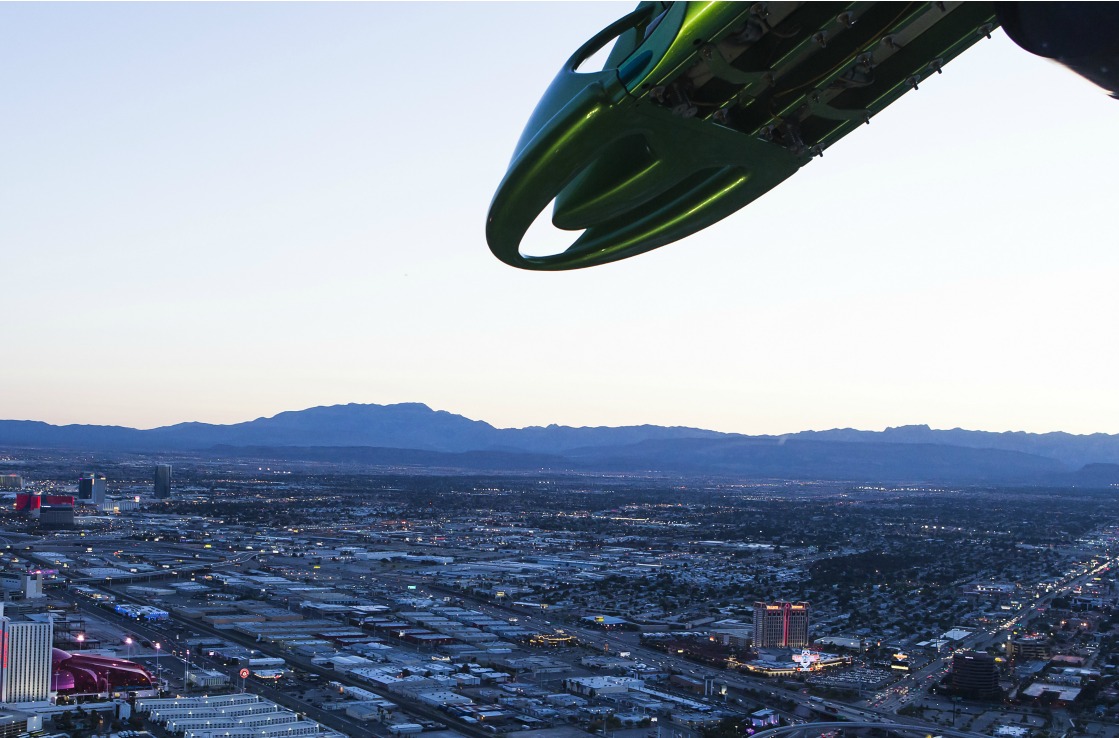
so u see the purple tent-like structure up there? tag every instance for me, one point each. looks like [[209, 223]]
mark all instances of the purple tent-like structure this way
[[80, 673]]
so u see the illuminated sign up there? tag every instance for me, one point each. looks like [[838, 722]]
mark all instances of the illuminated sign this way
[[806, 659]]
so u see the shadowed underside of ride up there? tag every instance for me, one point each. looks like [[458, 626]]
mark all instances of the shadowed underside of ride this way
[[701, 108]]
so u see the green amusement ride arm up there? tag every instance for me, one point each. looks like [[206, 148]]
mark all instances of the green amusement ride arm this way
[[704, 107]]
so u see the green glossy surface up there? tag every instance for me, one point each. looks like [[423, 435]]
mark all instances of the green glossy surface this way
[[697, 118]]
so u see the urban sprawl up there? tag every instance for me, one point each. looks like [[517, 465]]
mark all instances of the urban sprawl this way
[[224, 598]]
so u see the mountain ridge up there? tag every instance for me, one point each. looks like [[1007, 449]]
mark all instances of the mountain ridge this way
[[402, 425], [412, 432], [1073, 449]]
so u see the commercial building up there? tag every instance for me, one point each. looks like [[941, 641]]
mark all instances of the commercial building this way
[[1029, 648], [118, 504], [57, 516], [853, 643], [31, 503], [14, 724], [142, 612], [228, 715], [91, 488], [207, 678], [163, 482], [11, 481], [975, 675], [33, 585], [594, 686], [780, 624], [803, 661], [25, 659]]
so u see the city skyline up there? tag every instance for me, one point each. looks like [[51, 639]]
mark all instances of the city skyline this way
[[233, 211]]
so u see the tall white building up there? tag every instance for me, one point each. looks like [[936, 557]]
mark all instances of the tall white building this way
[[25, 659], [33, 585]]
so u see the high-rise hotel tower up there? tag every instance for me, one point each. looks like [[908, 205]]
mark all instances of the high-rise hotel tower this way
[[163, 482], [25, 658], [780, 624]]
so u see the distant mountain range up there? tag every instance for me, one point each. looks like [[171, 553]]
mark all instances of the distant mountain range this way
[[408, 425], [412, 434]]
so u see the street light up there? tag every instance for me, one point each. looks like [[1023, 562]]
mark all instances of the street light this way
[[158, 668], [81, 640], [128, 642]]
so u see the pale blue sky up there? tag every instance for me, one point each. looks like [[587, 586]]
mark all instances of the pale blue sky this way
[[216, 212]]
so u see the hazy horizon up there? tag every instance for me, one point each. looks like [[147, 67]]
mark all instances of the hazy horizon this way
[[216, 212]]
